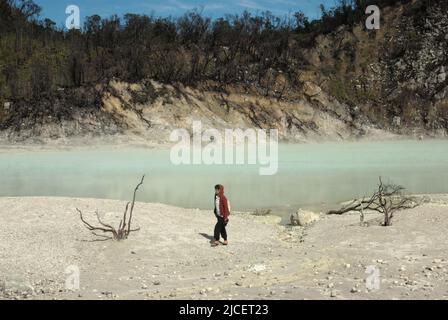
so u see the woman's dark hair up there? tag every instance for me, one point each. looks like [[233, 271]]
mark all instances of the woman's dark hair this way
[[217, 187]]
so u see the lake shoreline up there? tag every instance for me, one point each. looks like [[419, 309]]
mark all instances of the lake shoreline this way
[[129, 141]]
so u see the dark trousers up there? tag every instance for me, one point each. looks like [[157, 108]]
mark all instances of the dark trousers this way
[[220, 229]]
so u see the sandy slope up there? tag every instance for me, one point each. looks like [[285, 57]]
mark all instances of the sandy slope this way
[[170, 258]]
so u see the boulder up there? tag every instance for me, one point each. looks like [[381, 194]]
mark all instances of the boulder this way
[[311, 90], [16, 284], [303, 218]]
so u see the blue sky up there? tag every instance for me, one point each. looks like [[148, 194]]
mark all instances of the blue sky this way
[[55, 9]]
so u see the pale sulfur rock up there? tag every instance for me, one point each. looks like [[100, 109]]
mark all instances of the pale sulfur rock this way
[[258, 268], [311, 90], [304, 218], [16, 284]]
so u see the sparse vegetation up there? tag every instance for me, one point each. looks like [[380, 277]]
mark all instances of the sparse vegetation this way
[[37, 58], [262, 212]]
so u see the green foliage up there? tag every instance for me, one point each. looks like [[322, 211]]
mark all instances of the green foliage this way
[[345, 92], [339, 90]]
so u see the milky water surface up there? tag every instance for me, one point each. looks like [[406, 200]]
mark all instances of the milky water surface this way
[[308, 174]]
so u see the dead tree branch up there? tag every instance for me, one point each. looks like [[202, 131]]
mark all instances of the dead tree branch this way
[[387, 200], [124, 228]]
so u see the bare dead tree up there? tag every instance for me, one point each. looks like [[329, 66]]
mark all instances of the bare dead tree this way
[[387, 200], [124, 228]]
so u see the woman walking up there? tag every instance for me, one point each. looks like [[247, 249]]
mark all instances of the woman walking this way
[[222, 212]]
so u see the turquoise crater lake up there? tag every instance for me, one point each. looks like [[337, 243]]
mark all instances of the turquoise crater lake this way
[[308, 174]]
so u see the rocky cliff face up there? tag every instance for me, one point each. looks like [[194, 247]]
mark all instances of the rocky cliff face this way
[[353, 83], [393, 78], [152, 111]]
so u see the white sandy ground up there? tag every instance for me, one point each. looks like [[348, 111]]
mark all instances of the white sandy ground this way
[[171, 259]]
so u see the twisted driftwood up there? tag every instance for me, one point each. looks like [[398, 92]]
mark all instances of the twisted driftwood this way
[[124, 228], [388, 199]]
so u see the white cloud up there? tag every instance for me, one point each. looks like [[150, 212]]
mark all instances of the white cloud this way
[[249, 4]]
